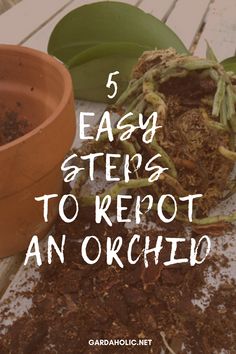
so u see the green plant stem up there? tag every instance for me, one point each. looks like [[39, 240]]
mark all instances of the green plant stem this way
[[115, 190], [200, 222], [230, 155], [219, 96], [165, 157]]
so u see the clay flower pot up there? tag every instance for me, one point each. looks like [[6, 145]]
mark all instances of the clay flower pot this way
[[39, 88]]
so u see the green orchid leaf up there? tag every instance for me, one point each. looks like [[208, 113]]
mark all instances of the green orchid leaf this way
[[230, 64], [108, 49], [90, 82], [210, 53], [106, 22]]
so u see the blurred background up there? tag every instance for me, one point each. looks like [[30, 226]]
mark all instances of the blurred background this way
[[6, 4]]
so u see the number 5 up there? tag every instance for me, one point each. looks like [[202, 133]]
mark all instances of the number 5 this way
[[111, 83]]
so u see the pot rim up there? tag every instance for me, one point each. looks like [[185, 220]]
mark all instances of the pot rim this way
[[67, 90]]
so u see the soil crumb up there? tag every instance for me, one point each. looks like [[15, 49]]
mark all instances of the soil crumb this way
[[12, 126]]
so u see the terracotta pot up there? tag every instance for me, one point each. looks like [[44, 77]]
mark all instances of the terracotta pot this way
[[40, 87]]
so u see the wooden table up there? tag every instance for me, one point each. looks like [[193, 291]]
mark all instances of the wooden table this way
[[31, 22]]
